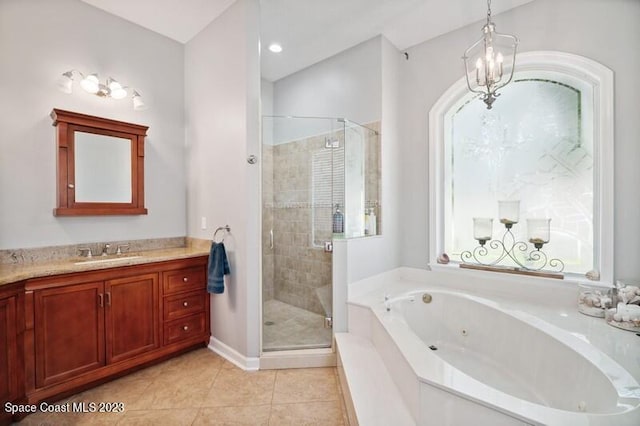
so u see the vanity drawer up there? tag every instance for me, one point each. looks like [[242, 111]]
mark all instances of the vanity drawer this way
[[182, 280], [184, 328], [184, 304]]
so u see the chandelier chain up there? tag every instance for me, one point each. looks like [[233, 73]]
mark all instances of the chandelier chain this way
[[488, 11]]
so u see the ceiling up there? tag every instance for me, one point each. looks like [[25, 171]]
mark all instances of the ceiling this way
[[312, 30], [176, 19]]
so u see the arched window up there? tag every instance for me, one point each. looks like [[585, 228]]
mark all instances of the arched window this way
[[547, 142]]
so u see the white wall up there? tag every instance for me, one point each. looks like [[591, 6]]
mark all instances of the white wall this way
[[370, 256], [222, 89], [39, 40], [606, 31], [346, 85]]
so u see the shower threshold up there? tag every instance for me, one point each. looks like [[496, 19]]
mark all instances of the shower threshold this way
[[295, 347]]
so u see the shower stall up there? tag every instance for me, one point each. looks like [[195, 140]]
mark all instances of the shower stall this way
[[320, 181]]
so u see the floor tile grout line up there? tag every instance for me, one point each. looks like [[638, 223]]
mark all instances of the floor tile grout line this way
[[196, 417], [273, 392]]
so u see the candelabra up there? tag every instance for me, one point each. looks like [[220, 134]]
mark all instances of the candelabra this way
[[508, 248]]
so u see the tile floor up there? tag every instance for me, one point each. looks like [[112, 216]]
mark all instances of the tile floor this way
[[201, 388], [292, 328]]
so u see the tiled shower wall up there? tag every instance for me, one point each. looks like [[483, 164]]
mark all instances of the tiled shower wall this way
[[296, 271]]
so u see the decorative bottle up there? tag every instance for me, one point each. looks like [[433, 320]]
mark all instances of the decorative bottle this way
[[338, 221], [367, 223], [372, 223]]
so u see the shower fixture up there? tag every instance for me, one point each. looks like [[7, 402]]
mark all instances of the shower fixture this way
[[330, 142]]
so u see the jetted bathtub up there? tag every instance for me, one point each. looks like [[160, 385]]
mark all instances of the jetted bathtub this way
[[475, 359]]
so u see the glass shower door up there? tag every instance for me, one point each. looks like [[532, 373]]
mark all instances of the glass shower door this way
[[299, 199]]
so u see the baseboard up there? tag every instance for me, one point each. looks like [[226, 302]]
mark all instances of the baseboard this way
[[233, 356]]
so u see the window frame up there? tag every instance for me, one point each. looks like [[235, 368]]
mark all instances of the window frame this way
[[592, 73]]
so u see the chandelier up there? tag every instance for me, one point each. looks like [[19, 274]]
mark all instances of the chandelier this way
[[111, 88], [490, 61]]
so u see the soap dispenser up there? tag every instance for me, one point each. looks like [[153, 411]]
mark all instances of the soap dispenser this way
[[338, 221], [373, 225]]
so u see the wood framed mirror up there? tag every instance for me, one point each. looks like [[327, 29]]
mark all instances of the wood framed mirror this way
[[100, 165]]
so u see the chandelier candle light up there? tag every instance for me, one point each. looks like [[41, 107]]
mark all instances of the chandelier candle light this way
[[110, 89], [485, 67], [531, 261]]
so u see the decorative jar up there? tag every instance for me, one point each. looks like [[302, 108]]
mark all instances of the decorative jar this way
[[626, 313], [594, 300]]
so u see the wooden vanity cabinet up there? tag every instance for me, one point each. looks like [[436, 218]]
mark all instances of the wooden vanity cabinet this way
[[185, 304], [81, 327], [84, 328], [11, 352]]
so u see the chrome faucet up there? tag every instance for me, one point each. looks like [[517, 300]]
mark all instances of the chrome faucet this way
[[105, 249]]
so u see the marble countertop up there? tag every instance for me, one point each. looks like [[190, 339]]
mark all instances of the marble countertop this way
[[11, 273]]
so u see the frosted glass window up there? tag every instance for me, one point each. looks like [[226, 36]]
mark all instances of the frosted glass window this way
[[535, 146]]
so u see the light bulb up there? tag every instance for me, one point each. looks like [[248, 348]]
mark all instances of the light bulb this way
[[138, 104], [91, 83], [65, 82], [499, 58], [116, 90], [275, 48], [479, 64], [489, 53]]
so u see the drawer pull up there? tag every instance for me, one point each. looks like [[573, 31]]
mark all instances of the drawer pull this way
[[185, 328], [185, 279], [185, 304]]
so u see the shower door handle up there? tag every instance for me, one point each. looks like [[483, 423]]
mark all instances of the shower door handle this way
[[271, 239]]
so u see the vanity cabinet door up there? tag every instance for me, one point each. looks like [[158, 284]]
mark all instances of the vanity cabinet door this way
[[9, 351], [69, 331], [132, 316]]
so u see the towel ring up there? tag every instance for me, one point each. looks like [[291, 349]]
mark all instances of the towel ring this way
[[221, 228]]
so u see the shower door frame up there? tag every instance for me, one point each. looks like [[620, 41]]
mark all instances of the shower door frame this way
[[268, 239]]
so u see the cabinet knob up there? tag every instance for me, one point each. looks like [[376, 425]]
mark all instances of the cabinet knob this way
[[185, 303], [185, 279], [185, 328]]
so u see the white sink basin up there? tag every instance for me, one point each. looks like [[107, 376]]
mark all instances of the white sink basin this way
[[106, 260]]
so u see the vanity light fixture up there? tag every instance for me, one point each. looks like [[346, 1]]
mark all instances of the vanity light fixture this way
[[110, 89], [490, 61]]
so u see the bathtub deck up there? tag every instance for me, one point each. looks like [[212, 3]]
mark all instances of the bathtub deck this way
[[373, 394]]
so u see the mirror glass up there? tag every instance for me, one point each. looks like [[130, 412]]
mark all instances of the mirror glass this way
[[102, 167]]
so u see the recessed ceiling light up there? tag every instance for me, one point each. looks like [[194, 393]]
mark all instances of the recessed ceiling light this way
[[275, 48]]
